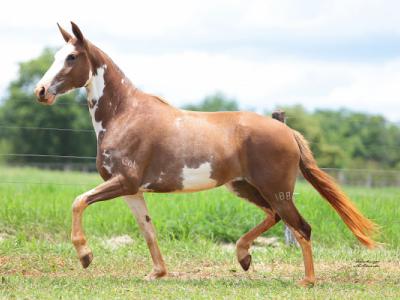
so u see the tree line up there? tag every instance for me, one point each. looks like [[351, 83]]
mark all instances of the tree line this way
[[339, 138]]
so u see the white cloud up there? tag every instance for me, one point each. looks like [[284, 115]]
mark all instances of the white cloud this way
[[185, 50], [182, 77], [321, 18]]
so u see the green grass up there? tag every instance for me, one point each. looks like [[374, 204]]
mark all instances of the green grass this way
[[38, 261]]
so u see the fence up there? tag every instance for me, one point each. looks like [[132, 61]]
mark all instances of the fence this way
[[351, 177]]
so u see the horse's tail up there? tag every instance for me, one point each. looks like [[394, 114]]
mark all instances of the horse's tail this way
[[361, 227]]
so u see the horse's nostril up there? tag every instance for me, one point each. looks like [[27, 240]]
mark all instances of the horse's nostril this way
[[42, 92]]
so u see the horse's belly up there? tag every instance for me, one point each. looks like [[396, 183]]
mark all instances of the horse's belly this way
[[187, 180]]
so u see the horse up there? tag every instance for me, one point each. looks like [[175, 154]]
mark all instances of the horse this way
[[144, 144]]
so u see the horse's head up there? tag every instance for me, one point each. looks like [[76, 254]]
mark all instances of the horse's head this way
[[71, 68]]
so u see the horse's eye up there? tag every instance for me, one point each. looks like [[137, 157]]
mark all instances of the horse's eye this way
[[71, 57]]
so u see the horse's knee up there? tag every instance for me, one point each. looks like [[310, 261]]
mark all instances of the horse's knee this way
[[79, 204]]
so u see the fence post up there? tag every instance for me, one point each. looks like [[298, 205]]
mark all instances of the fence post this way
[[289, 237]]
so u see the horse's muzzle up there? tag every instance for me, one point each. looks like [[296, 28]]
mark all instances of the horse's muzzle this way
[[43, 96]]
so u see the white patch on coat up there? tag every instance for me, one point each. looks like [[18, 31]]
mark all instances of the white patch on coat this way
[[107, 166], [57, 66], [195, 179], [95, 89]]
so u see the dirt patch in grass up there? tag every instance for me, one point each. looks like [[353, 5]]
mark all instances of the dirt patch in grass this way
[[337, 272], [371, 273]]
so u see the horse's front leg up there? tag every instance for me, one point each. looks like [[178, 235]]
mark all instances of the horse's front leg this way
[[107, 190], [139, 209]]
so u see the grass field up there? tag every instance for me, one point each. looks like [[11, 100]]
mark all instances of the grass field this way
[[196, 232]]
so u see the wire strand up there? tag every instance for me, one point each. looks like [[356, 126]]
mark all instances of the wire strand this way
[[373, 146], [47, 183], [47, 155], [62, 103], [46, 128], [95, 183]]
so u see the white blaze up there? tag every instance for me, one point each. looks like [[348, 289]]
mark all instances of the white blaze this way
[[95, 89], [58, 64], [197, 178]]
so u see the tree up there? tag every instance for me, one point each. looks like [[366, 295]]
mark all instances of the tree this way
[[20, 109], [346, 139], [216, 102]]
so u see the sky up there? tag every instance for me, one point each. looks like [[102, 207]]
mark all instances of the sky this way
[[264, 53]]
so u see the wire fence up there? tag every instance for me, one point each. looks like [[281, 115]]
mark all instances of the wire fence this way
[[91, 131], [45, 128], [59, 103], [354, 177], [349, 177]]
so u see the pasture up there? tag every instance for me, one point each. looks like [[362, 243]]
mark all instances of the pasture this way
[[196, 235]]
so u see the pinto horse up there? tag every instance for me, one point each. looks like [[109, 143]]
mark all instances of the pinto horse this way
[[146, 145]]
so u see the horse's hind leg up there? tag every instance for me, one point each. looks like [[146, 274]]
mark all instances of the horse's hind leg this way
[[302, 232], [281, 200], [306, 249], [246, 191]]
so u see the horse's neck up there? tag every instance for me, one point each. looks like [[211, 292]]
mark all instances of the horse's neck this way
[[107, 90], [109, 93]]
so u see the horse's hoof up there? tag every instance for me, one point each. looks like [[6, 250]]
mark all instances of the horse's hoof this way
[[86, 260], [156, 275], [307, 282], [246, 262]]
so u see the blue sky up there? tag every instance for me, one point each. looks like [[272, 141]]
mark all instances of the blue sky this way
[[321, 54]]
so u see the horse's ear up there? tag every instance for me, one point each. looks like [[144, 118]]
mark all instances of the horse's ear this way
[[77, 32], [64, 33]]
